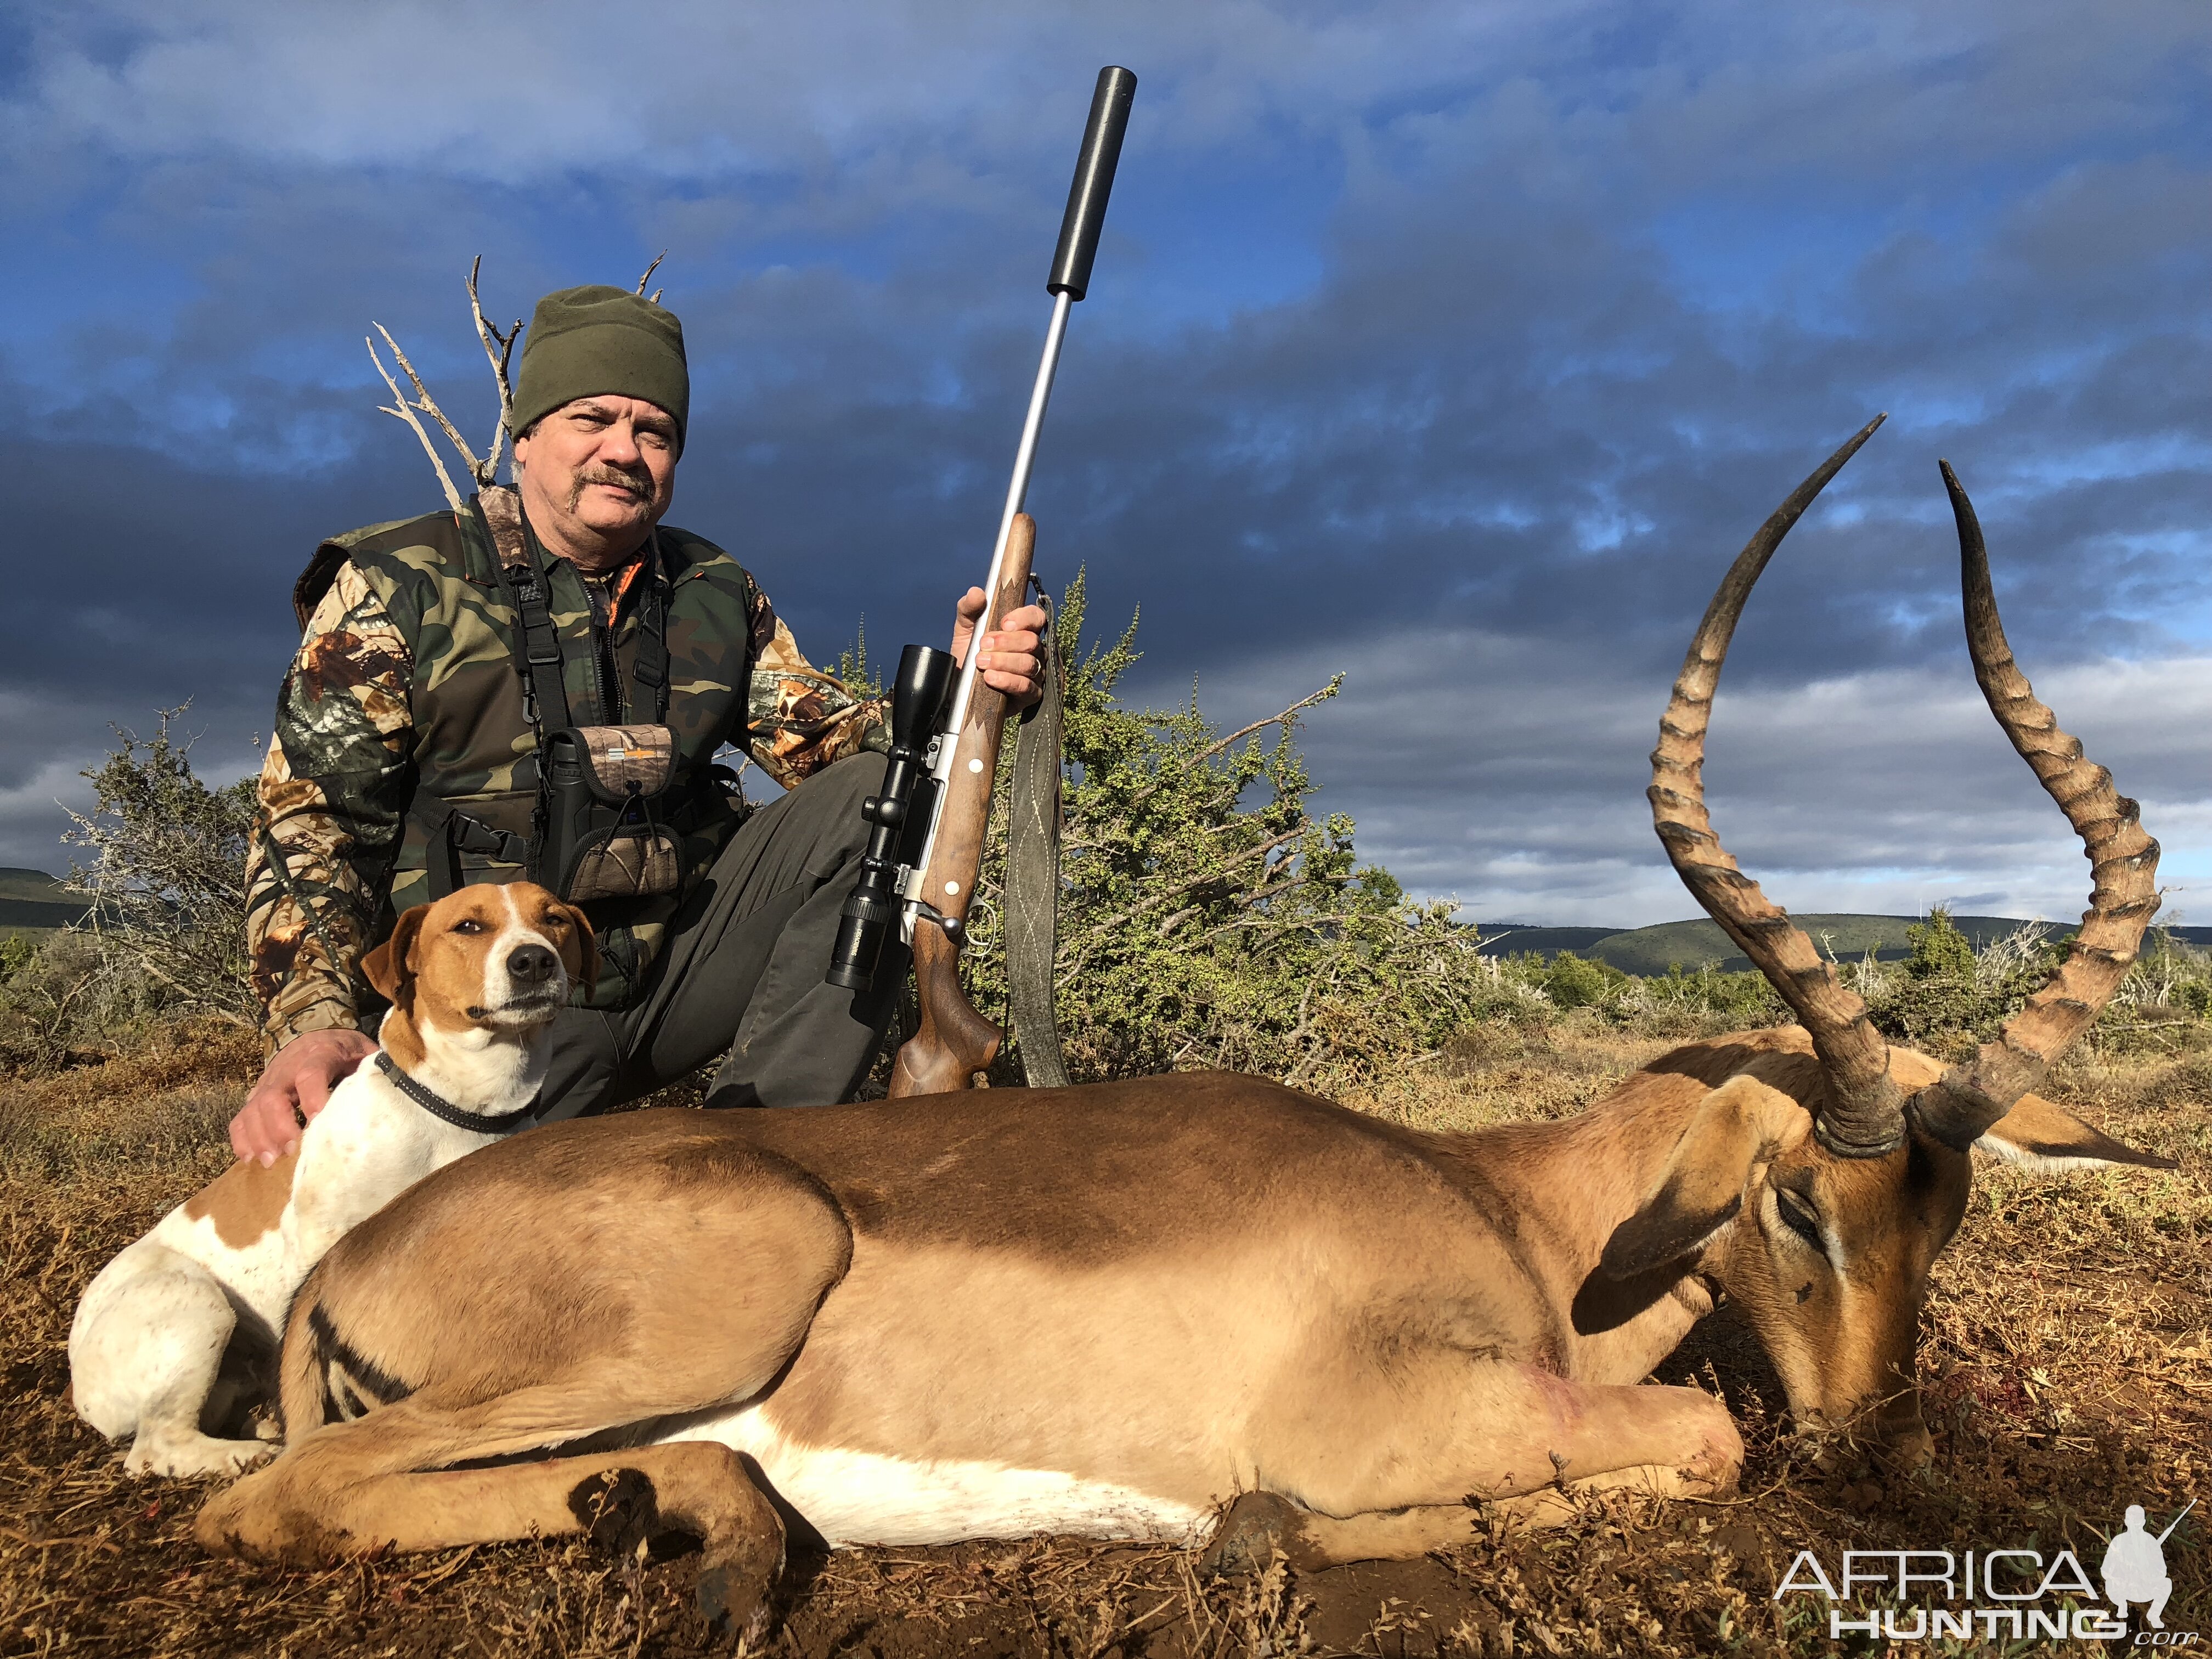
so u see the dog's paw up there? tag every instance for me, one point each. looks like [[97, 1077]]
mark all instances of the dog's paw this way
[[188, 1457]]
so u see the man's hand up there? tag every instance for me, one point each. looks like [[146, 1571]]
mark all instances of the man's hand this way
[[295, 1085], [1010, 652]]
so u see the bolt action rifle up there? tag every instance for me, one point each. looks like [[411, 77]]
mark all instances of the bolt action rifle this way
[[926, 845]]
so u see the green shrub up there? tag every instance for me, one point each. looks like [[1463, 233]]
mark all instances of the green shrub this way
[[1207, 916], [1573, 983], [1948, 998], [166, 936], [1939, 951]]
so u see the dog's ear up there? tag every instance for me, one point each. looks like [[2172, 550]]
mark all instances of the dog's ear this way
[[391, 968], [579, 951]]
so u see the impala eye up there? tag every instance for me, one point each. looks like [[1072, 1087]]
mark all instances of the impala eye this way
[[1797, 1215]]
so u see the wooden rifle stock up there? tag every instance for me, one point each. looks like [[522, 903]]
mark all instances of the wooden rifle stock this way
[[954, 1042]]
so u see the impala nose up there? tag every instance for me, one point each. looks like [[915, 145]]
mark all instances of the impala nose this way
[[532, 965]]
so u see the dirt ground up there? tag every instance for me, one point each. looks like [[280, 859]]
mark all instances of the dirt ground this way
[[2066, 1354]]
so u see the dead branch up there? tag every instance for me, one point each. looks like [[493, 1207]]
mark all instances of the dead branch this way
[[428, 404], [1304, 703], [1217, 747], [400, 407], [649, 269], [487, 473]]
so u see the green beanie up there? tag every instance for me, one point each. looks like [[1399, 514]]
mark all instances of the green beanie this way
[[586, 341]]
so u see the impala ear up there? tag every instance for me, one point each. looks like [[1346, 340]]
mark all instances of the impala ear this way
[[1702, 1189], [2049, 1139], [390, 968]]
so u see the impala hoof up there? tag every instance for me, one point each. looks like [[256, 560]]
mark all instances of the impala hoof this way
[[618, 1509], [253, 1519], [1254, 1530], [735, 1603]]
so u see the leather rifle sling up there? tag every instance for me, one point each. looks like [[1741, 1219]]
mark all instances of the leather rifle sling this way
[[1033, 818]]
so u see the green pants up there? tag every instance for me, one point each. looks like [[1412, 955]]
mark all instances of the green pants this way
[[742, 969]]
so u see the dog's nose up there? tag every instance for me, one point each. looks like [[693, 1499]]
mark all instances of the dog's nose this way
[[532, 965]]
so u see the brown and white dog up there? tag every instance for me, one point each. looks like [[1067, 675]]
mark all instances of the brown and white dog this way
[[178, 1334]]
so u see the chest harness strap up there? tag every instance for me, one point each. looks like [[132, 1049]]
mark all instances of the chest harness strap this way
[[523, 582]]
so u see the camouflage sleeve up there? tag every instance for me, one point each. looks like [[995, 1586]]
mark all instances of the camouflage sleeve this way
[[333, 795], [801, 719]]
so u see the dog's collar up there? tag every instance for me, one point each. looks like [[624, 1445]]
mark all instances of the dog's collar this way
[[445, 1111]]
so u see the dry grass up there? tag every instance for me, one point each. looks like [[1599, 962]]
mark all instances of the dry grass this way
[[2067, 1346]]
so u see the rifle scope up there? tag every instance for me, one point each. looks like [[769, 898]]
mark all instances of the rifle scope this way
[[902, 812]]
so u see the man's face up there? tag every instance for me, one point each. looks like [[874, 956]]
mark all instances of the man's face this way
[[601, 470]]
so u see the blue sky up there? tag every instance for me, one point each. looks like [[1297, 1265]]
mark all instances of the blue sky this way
[[1456, 347]]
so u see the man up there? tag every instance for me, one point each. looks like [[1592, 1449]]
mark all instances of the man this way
[[2135, 1568], [404, 755]]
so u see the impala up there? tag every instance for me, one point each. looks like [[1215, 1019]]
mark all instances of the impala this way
[[1107, 1311]]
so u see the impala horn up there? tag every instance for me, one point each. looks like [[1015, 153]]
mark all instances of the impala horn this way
[[1966, 1099], [1864, 1115]]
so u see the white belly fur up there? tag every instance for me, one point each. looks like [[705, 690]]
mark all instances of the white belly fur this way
[[854, 1497]]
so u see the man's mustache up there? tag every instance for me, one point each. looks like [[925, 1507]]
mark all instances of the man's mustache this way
[[636, 489]]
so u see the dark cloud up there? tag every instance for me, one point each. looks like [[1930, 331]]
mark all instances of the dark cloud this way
[[1511, 775], [1460, 352]]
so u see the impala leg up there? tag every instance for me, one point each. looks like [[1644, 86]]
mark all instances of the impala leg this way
[[1507, 1439], [389, 1479], [1260, 1523], [1554, 1508], [337, 1494], [1449, 1432], [1519, 1429]]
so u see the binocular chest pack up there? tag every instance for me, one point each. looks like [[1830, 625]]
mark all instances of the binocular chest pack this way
[[600, 828]]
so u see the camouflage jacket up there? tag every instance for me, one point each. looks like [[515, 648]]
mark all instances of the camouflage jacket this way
[[405, 688]]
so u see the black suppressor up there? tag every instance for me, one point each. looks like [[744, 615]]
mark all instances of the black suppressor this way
[[1094, 183], [900, 816]]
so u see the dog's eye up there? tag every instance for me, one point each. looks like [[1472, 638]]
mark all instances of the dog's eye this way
[[1798, 1217], [468, 925]]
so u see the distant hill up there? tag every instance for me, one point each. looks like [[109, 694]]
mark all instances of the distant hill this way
[[31, 901], [1701, 943], [1512, 938]]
